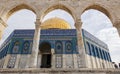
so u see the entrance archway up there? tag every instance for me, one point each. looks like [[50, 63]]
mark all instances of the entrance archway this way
[[45, 51]]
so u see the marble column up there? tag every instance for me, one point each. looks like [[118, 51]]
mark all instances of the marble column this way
[[35, 47], [53, 58], [78, 25]]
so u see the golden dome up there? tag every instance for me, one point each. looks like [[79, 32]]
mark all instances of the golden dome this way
[[55, 23]]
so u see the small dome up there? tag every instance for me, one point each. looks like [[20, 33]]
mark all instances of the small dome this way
[[55, 23]]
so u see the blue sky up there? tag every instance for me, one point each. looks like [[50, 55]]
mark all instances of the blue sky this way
[[93, 21]]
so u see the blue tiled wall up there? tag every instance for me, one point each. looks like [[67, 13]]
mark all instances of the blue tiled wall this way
[[95, 47], [50, 36]]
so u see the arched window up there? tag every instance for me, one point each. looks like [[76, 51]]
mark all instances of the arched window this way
[[97, 52], [104, 55], [6, 49], [68, 47], [58, 47], [26, 46], [109, 57], [93, 50], [16, 47], [88, 48], [101, 53]]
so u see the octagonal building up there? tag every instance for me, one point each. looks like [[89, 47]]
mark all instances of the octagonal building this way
[[58, 48]]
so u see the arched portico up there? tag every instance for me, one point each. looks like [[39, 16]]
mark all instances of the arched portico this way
[[40, 8], [108, 7]]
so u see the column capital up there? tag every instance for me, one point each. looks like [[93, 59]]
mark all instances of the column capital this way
[[78, 24], [37, 23]]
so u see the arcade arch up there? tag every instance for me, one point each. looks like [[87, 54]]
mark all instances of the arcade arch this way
[[99, 8], [59, 13], [53, 7], [105, 10], [18, 8], [93, 18], [19, 20], [75, 8], [101, 26]]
